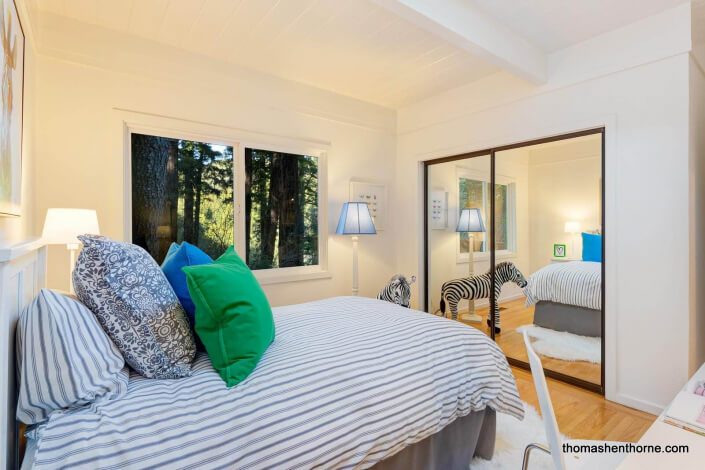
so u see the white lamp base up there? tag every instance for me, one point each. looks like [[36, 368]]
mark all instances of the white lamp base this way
[[73, 248], [355, 288], [471, 317]]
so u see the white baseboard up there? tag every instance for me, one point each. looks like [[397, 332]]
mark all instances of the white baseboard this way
[[639, 404], [482, 303]]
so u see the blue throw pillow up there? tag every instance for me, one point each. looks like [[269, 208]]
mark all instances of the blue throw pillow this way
[[184, 255], [592, 247], [173, 248]]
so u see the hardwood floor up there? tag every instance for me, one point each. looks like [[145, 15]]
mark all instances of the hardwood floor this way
[[581, 414], [514, 313], [586, 415]]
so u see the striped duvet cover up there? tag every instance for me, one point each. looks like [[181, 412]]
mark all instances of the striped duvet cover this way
[[576, 283], [347, 382]]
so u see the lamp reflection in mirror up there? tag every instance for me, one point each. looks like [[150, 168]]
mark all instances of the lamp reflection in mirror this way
[[355, 220], [63, 226], [470, 221], [572, 228]]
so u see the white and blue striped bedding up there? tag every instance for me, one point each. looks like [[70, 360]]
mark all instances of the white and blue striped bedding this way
[[347, 382], [576, 283], [64, 358]]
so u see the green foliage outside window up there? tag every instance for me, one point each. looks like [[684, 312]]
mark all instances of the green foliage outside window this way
[[281, 209], [182, 190], [476, 194]]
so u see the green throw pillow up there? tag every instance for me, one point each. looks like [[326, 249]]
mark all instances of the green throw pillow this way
[[233, 317]]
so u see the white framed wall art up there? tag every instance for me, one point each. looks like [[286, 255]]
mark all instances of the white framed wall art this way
[[375, 195]]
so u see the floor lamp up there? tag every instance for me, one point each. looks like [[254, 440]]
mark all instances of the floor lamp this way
[[355, 220], [470, 221], [63, 226]]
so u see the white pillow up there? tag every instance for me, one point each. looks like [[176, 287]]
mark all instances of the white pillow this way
[[64, 358]]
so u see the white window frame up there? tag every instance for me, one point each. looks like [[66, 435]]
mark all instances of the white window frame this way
[[238, 140], [464, 258]]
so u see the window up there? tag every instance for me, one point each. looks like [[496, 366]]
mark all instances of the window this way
[[182, 190], [474, 192], [281, 209], [187, 190]]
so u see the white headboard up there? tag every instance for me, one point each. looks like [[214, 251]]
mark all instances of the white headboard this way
[[22, 274]]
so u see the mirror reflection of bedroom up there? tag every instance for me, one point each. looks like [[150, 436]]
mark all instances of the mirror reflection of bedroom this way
[[547, 251]]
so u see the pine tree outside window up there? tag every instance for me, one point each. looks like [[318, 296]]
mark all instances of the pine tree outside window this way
[[266, 204]]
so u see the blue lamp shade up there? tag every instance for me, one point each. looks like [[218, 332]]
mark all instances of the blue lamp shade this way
[[470, 221], [355, 219]]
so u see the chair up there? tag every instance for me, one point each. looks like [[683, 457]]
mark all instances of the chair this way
[[561, 460]]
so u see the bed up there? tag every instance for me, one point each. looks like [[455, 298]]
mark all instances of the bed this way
[[348, 382], [567, 297]]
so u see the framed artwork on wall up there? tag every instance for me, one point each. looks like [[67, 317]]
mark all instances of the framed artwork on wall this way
[[439, 209], [558, 251], [12, 83], [375, 195]]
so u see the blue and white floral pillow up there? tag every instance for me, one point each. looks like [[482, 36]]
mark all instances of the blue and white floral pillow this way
[[129, 294]]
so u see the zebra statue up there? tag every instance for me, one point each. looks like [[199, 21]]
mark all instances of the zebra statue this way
[[478, 287], [397, 290]]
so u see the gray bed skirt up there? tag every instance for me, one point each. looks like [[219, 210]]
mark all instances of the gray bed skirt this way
[[562, 317], [450, 449]]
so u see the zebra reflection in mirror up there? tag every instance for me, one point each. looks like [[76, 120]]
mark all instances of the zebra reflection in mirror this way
[[397, 291], [478, 287]]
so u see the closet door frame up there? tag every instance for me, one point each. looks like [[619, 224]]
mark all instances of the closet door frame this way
[[599, 388]]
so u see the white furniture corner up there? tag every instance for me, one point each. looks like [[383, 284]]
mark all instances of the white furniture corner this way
[[22, 275], [662, 434]]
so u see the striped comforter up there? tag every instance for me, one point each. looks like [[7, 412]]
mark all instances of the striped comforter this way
[[347, 382], [573, 283]]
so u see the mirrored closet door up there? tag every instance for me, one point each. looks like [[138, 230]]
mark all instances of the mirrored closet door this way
[[458, 231], [526, 221]]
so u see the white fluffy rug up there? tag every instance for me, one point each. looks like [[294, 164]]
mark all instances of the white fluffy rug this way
[[512, 437], [564, 345]]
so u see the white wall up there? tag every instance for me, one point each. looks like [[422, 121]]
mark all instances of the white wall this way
[[564, 185], [696, 339], [514, 164], [16, 229], [83, 106], [644, 108]]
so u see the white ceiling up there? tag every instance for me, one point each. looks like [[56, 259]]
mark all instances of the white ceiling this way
[[555, 24], [352, 47]]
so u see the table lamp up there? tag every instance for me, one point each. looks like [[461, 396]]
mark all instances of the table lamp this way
[[470, 221], [355, 220], [63, 226], [572, 228]]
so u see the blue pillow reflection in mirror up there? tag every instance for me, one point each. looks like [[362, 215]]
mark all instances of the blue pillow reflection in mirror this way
[[592, 247]]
